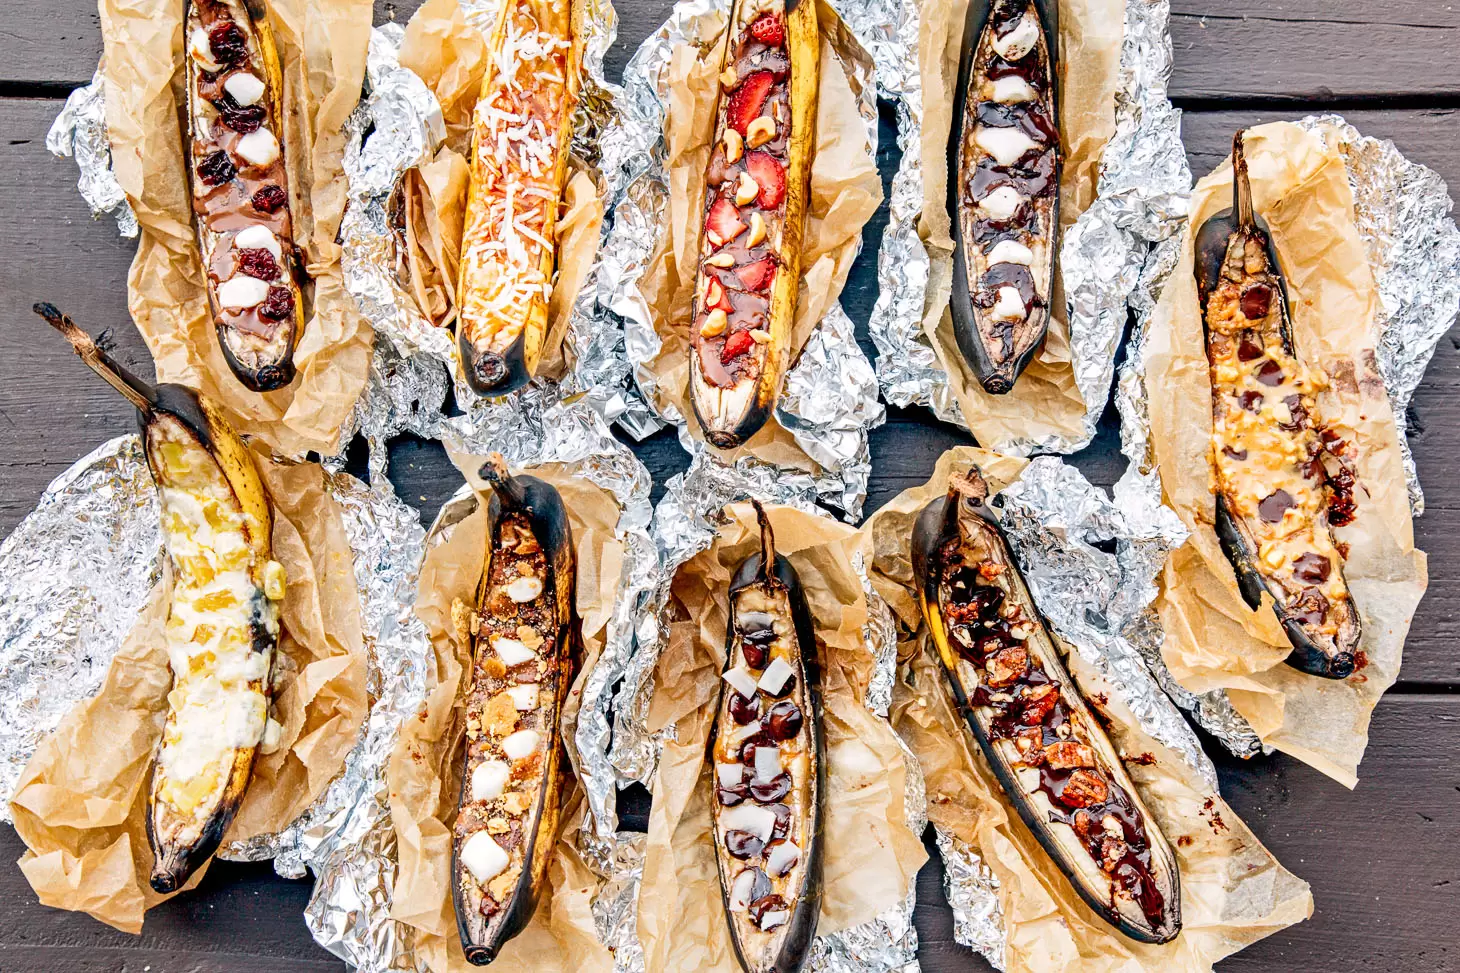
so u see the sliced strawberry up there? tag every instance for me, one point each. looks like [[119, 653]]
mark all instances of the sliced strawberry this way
[[716, 296], [724, 221], [757, 277], [769, 176], [736, 345], [769, 29], [748, 99]]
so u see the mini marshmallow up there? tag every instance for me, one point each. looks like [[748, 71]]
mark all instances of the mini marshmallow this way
[[524, 697], [523, 589], [258, 148], [776, 676], [520, 744], [242, 292], [740, 680], [728, 775], [244, 87], [489, 780], [1012, 89], [483, 857], [1019, 41], [201, 51], [1006, 145], [256, 237], [511, 651], [1009, 306], [1001, 205], [1010, 252]]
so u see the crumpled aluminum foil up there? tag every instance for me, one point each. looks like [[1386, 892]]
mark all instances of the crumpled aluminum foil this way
[[79, 132], [684, 525], [1403, 213], [1140, 200], [830, 398]]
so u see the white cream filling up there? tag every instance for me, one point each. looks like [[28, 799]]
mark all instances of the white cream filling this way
[[1019, 41], [483, 857], [1006, 145], [1001, 205]]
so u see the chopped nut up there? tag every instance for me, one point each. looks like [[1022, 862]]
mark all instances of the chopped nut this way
[[476, 623], [1112, 850], [516, 802], [990, 570], [760, 336], [721, 260], [729, 78], [500, 715], [1112, 825], [460, 623], [1068, 755], [1084, 788], [714, 324], [529, 637], [734, 145], [494, 667], [757, 231], [760, 131], [1007, 666], [746, 190]]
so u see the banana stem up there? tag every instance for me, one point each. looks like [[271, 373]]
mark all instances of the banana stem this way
[[971, 489], [767, 543], [136, 391], [1241, 187], [496, 473]]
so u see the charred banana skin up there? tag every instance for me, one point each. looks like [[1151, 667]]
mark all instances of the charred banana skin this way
[[936, 532], [996, 374], [482, 939], [800, 930], [1337, 658]]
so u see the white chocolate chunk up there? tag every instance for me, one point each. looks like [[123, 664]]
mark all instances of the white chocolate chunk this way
[[200, 50], [776, 676], [740, 889], [757, 820], [1012, 89], [520, 744], [1010, 252], [511, 651], [242, 292], [244, 87], [258, 237], [771, 920], [523, 589], [483, 857], [767, 763], [728, 775], [742, 733], [489, 780], [524, 697], [1019, 41], [740, 680], [1000, 205], [258, 148], [1006, 145], [1009, 306], [782, 856]]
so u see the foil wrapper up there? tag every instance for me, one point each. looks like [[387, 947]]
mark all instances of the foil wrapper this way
[[972, 891], [79, 132], [829, 403], [1141, 197], [1403, 213]]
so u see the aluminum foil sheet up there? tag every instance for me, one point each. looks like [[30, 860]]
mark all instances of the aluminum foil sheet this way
[[1403, 212], [972, 890], [79, 132], [830, 399], [1140, 199]]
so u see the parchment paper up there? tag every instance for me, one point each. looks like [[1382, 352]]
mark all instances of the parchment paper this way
[[845, 191], [1045, 401], [871, 856], [1212, 639], [450, 56], [1233, 891], [80, 804], [322, 47], [425, 769]]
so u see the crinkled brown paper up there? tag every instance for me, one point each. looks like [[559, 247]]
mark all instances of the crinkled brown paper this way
[[426, 768], [1233, 891], [1212, 640], [845, 192], [1045, 401], [322, 47], [871, 856], [450, 56], [81, 802]]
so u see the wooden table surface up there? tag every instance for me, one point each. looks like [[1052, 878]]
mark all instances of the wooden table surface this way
[[1383, 860]]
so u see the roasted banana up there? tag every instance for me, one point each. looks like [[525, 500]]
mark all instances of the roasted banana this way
[[240, 189], [1004, 163], [525, 632], [521, 135], [1282, 482], [223, 622], [768, 753], [1055, 763], [756, 188]]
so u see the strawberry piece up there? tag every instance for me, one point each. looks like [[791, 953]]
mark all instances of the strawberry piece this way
[[724, 221], [736, 345], [769, 176], [769, 29], [757, 277], [748, 99]]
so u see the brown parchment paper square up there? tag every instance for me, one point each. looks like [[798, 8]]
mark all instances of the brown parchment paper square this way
[[1045, 401], [1233, 891], [845, 191], [322, 46], [1212, 640], [450, 56], [871, 856], [80, 804], [425, 768]]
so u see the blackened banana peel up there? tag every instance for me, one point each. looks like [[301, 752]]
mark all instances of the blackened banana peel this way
[[768, 758], [1004, 163], [1053, 759], [1276, 497]]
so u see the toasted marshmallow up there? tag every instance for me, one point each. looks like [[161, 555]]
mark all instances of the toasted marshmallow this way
[[244, 87], [242, 292]]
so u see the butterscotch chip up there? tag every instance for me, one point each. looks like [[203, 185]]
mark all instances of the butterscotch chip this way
[[497, 825], [501, 886], [494, 667]]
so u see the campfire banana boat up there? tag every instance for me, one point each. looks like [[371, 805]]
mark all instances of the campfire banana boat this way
[[755, 210], [768, 754], [521, 136], [524, 631], [1277, 499], [223, 621], [1004, 165], [240, 189], [1055, 763]]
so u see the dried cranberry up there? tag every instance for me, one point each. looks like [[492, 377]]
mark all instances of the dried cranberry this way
[[228, 43], [241, 118], [742, 709], [784, 720], [783, 820], [743, 844], [278, 305], [258, 262], [772, 790], [216, 169], [269, 199]]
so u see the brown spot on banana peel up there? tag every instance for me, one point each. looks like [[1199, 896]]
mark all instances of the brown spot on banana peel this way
[[962, 521]]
